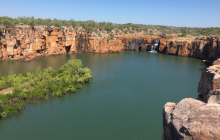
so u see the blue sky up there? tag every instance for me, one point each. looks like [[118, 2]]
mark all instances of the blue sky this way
[[190, 13]]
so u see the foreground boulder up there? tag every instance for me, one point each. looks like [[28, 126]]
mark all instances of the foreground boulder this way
[[191, 119]]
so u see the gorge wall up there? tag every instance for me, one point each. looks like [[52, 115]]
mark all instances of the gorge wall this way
[[206, 48], [27, 43]]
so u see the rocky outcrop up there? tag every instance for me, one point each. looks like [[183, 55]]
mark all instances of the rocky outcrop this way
[[163, 45], [193, 119], [210, 80]]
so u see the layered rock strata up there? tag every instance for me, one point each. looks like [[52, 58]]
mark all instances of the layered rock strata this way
[[143, 43], [206, 48], [193, 119], [27, 43], [201, 48]]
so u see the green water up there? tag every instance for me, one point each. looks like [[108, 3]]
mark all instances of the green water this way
[[123, 102]]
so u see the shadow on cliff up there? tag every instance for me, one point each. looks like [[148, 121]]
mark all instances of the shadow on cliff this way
[[82, 43], [204, 64], [67, 48]]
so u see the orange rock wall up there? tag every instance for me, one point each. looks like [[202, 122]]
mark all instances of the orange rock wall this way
[[201, 48], [27, 43]]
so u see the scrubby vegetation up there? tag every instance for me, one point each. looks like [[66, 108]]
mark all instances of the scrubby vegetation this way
[[91, 25], [40, 85], [111, 37]]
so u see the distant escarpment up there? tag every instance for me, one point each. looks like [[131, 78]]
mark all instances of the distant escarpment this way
[[26, 43], [196, 119]]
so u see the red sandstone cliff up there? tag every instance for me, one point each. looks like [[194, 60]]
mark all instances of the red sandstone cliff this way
[[27, 43], [201, 48]]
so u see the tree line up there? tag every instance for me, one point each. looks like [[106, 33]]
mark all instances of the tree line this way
[[91, 25]]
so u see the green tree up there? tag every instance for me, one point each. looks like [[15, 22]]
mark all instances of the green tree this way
[[32, 22], [39, 21]]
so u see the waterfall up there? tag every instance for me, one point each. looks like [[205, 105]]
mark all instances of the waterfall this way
[[154, 46]]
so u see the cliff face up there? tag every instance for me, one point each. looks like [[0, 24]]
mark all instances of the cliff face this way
[[27, 43], [207, 48], [209, 83], [201, 48], [192, 119], [142, 43]]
